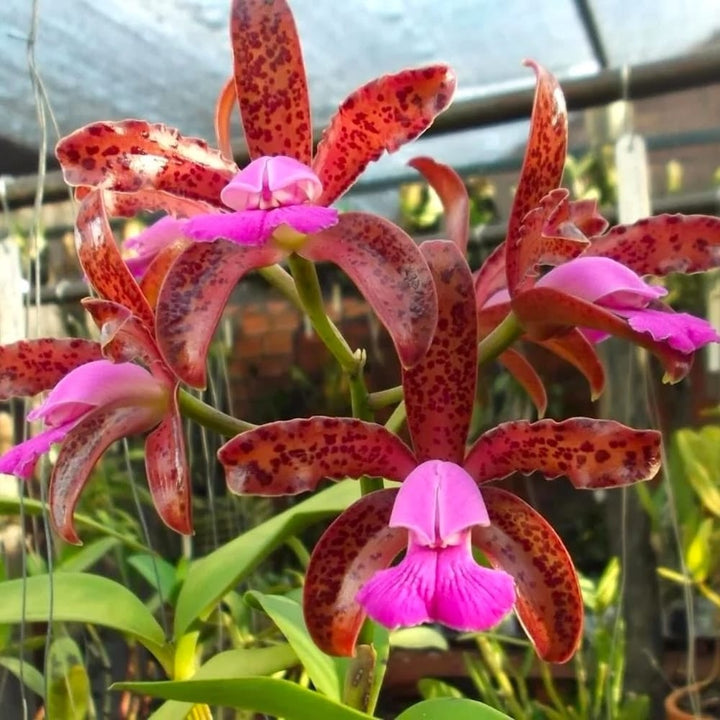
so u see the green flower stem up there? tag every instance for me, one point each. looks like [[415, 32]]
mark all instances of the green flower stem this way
[[383, 398], [281, 279], [207, 416], [308, 287], [500, 339], [397, 419]]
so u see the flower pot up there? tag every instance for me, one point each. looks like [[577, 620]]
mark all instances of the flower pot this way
[[678, 706]]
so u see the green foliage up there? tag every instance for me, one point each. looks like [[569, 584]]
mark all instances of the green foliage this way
[[68, 683]]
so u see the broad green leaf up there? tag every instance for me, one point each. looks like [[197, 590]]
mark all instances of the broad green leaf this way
[[451, 708], [30, 675], [68, 683], [280, 698], [431, 688], [10, 505], [85, 598], [87, 555], [232, 664], [154, 569], [700, 453], [209, 578], [421, 636], [287, 614], [698, 557]]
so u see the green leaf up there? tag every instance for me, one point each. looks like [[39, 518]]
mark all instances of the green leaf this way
[[415, 638], [152, 569], [68, 682], [431, 688], [288, 616], [30, 675], [455, 708], [674, 576], [10, 505], [209, 578], [607, 586], [698, 556], [84, 598], [232, 664], [280, 698], [700, 453], [86, 556]]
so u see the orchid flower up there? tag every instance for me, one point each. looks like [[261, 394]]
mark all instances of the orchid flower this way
[[93, 402], [596, 287], [279, 203], [444, 505]]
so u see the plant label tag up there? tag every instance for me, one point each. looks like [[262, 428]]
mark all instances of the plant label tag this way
[[633, 178]]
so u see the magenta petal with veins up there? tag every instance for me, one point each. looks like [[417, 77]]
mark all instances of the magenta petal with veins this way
[[438, 580]]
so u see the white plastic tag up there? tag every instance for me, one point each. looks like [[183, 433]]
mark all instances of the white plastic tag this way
[[633, 178]]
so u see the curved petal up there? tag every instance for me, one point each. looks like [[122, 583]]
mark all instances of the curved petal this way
[[31, 366], [522, 543], [490, 277], [133, 155], [453, 195], [129, 204], [576, 349], [389, 270], [356, 545], [525, 374], [193, 297], [270, 80], [168, 473], [547, 236], [100, 259], [292, 456], [663, 244], [223, 117], [382, 115], [544, 312], [80, 450], [439, 390], [545, 152], [154, 274], [591, 453]]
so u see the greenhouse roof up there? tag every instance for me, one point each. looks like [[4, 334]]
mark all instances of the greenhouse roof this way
[[166, 60]]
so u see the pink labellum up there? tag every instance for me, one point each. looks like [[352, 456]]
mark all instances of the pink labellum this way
[[256, 227], [270, 79], [355, 546], [391, 273], [380, 116], [292, 456], [591, 453], [440, 388], [683, 332], [21, 459], [31, 366], [456, 205], [520, 542], [272, 182], [143, 248]]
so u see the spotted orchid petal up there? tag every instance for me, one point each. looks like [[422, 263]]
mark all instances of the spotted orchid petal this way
[[573, 347], [439, 389], [129, 204], [31, 366], [681, 331], [135, 155], [255, 227], [192, 299], [270, 79], [224, 106], [101, 260], [523, 544], [545, 311], [271, 182], [602, 281], [662, 244], [356, 545], [524, 373], [490, 278], [82, 448], [389, 270], [453, 195], [167, 470], [591, 453], [292, 456], [143, 248], [380, 116], [154, 275]]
